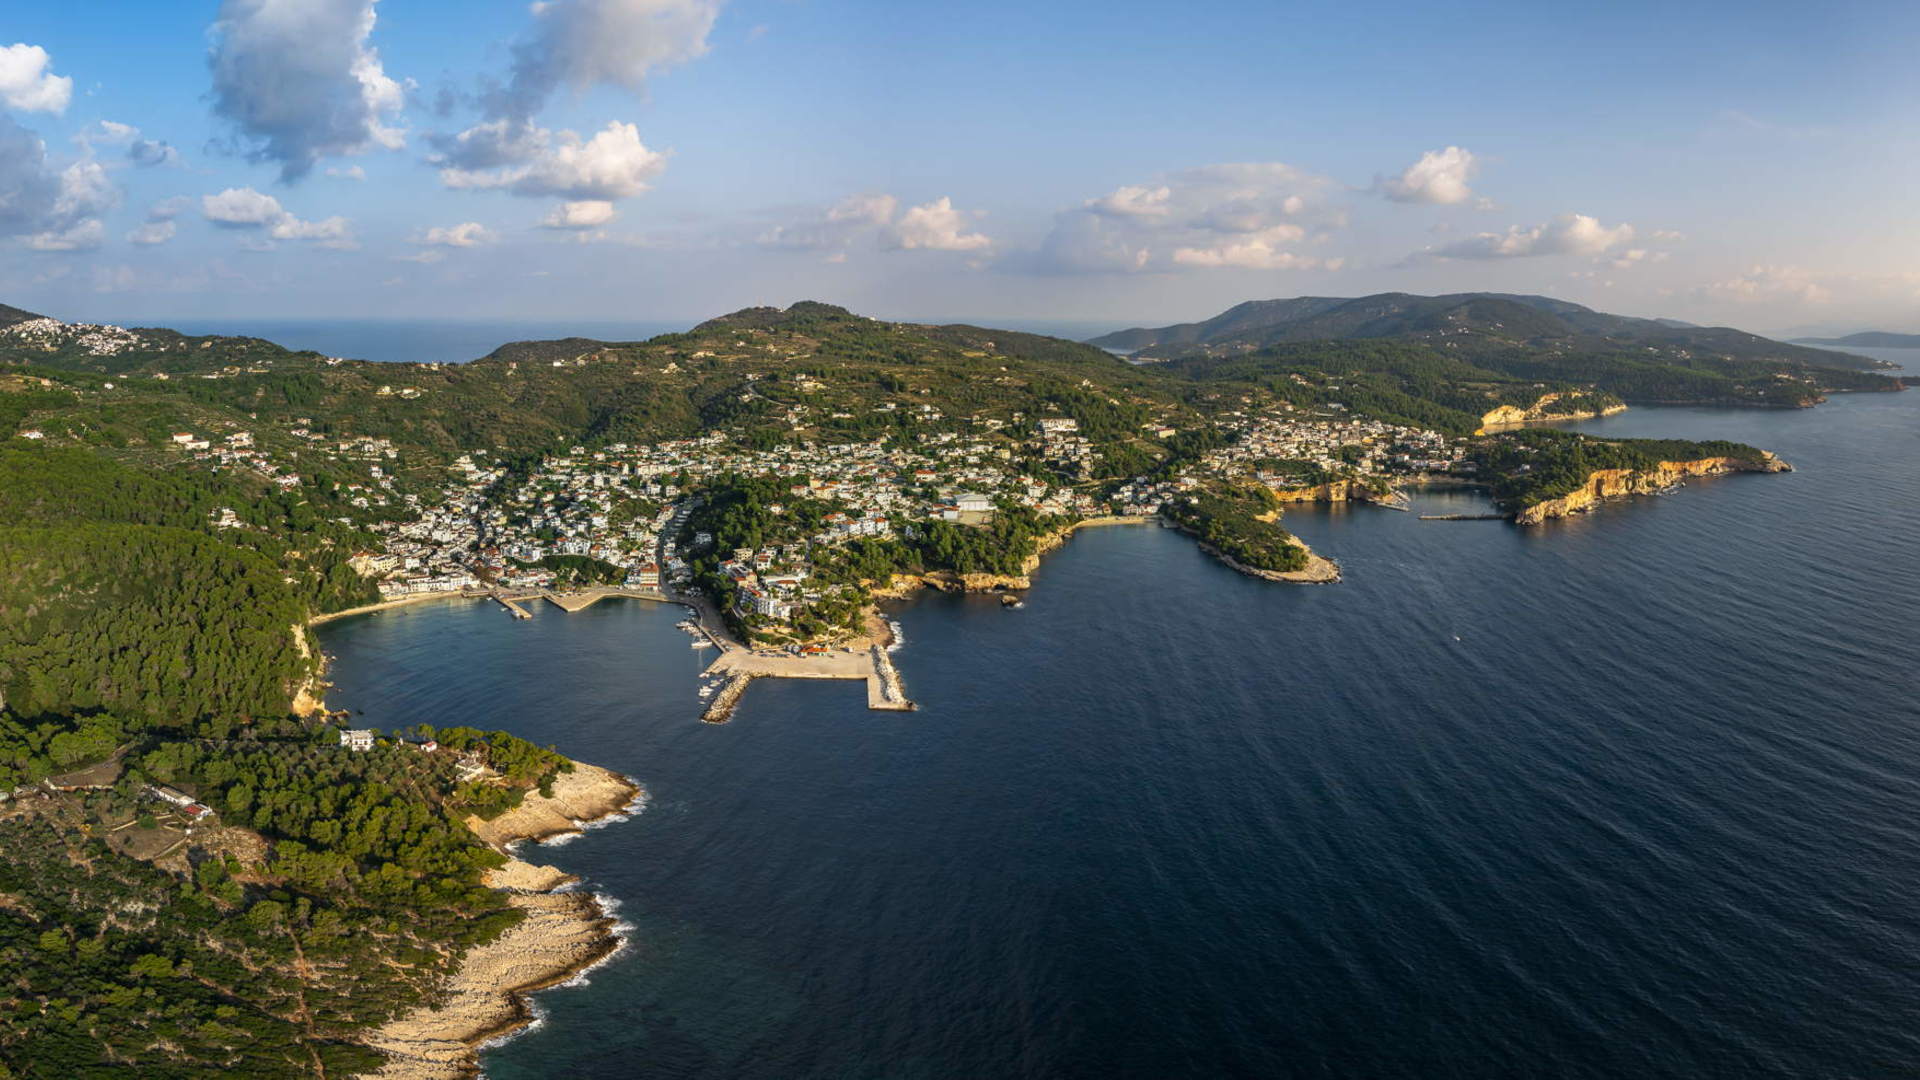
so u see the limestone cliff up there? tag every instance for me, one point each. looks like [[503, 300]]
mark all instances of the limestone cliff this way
[[1613, 483], [1333, 491], [1544, 411]]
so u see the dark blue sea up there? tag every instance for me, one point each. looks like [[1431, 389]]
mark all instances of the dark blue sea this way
[[1634, 795]]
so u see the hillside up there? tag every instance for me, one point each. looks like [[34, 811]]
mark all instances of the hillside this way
[[1496, 317], [1641, 361]]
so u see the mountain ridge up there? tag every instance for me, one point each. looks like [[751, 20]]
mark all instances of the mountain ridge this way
[[1508, 319]]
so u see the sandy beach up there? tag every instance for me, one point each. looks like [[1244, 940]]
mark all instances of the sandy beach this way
[[564, 933]]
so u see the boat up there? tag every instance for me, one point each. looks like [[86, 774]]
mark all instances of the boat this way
[[702, 643]]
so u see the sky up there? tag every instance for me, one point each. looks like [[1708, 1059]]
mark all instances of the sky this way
[[1096, 161]]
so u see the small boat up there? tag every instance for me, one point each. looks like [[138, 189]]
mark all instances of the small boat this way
[[702, 643]]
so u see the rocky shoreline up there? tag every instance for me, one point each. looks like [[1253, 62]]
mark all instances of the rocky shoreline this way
[[1604, 484], [564, 933]]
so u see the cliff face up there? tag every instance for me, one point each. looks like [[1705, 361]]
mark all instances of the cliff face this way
[[1613, 483], [1330, 492], [1540, 412]]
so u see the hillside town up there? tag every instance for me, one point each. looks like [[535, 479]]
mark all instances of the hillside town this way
[[626, 506]]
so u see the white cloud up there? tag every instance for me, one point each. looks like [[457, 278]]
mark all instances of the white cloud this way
[[838, 227], [140, 151], [580, 44], [83, 236], [465, 234], [580, 214], [169, 208], [1134, 202], [247, 209], [28, 83], [1567, 234], [298, 81], [935, 226], [425, 258], [1244, 215], [1440, 177], [1765, 283], [151, 233], [240, 208], [346, 172], [1265, 250], [614, 164]]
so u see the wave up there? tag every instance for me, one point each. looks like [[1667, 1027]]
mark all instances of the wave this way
[[634, 807], [622, 932]]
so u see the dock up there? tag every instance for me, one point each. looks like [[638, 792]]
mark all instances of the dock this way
[[513, 609]]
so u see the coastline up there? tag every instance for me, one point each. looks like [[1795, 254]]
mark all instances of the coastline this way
[[387, 605], [564, 934]]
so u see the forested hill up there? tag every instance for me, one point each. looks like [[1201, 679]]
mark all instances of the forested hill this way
[[1468, 319]]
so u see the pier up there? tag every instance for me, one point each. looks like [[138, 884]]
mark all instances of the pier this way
[[513, 609]]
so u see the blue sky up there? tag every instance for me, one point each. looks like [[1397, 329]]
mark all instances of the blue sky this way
[[1119, 162]]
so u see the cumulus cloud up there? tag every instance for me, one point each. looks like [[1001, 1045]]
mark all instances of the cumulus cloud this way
[[1265, 250], [53, 210], [465, 234], [1440, 177], [1567, 234], [248, 210], [1245, 216], [140, 151], [579, 214], [614, 164], [346, 172], [936, 226], [27, 81], [83, 236], [298, 81], [876, 218], [151, 233], [838, 227], [573, 45], [1765, 283], [580, 44]]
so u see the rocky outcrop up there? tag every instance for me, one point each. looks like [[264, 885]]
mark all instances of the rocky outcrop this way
[[1332, 491], [1319, 569], [1613, 483], [563, 933], [1543, 411]]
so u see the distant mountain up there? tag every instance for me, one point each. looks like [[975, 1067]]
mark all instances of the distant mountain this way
[[1868, 339], [1471, 321]]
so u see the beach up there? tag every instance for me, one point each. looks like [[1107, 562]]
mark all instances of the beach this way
[[564, 933]]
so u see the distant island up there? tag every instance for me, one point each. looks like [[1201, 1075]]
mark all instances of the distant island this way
[[1869, 339], [177, 511]]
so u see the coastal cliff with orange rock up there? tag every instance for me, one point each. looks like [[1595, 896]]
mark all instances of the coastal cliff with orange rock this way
[[1603, 484], [1549, 409]]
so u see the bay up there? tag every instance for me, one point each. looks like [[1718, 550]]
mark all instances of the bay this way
[[1635, 794]]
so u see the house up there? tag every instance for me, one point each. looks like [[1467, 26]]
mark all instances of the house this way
[[357, 739], [170, 794], [972, 503]]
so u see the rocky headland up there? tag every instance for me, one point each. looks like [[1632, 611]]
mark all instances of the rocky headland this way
[[1603, 484], [564, 932]]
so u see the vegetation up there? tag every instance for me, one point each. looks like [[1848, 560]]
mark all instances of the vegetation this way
[[1534, 466], [1241, 522]]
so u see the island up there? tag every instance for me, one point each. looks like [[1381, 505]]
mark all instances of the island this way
[[205, 870]]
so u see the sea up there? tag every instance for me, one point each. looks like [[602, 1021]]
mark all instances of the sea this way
[[456, 341], [1631, 795]]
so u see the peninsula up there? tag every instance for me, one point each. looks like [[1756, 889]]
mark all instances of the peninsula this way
[[179, 510]]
